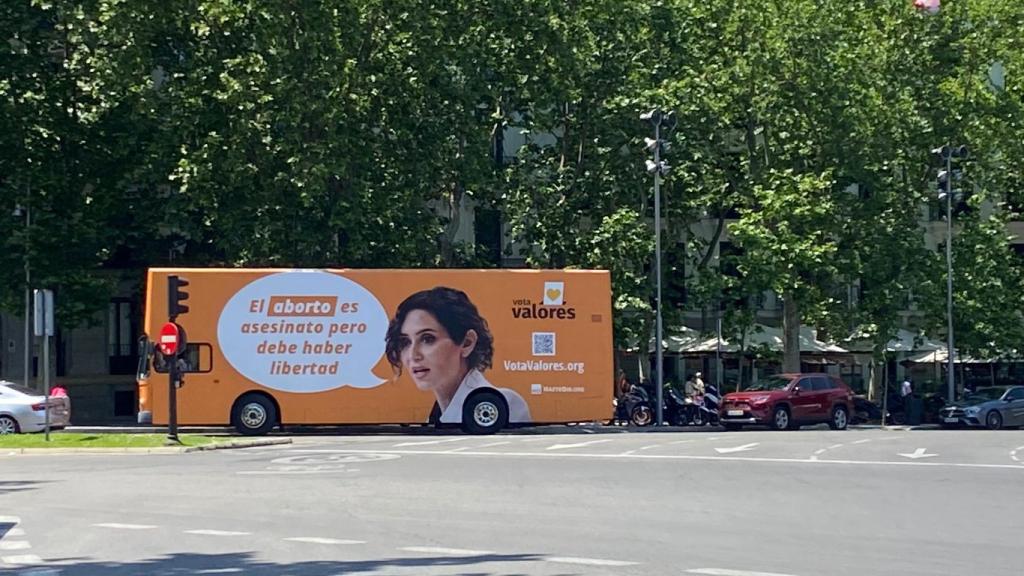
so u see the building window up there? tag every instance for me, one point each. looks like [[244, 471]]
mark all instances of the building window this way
[[121, 327]]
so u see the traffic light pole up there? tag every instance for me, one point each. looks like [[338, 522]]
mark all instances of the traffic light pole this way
[[172, 399], [657, 274], [950, 374]]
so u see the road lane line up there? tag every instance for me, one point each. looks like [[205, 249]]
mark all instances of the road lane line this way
[[864, 441], [217, 533], [681, 442], [10, 520], [447, 551], [220, 571], [577, 444], [457, 449], [124, 526], [727, 572], [834, 446], [316, 540], [689, 457], [13, 532], [8, 545], [588, 561], [428, 442]]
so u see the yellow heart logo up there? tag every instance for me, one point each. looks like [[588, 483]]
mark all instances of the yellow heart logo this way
[[553, 294]]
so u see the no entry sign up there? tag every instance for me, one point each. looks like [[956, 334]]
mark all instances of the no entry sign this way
[[170, 339]]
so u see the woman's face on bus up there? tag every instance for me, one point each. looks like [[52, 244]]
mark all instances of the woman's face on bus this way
[[435, 361]]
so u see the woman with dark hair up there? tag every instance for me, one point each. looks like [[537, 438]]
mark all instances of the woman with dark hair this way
[[440, 338]]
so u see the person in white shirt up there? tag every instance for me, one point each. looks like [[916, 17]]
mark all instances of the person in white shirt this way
[[906, 389], [440, 338]]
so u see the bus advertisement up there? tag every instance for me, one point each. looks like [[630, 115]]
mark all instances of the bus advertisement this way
[[481, 349]]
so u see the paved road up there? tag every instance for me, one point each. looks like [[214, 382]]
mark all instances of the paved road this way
[[807, 503]]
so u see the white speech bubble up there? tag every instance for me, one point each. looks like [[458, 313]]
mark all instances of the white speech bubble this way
[[304, 331]]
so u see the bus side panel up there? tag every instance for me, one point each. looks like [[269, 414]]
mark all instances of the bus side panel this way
[[552, 342]]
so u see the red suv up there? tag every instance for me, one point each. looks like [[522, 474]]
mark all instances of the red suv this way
[[787, 401]]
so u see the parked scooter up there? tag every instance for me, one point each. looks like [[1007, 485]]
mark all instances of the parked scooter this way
[[703, 408], [678, 410], [635, 407]]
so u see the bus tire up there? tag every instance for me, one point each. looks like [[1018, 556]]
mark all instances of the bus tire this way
[[254, 415], [484, 413]]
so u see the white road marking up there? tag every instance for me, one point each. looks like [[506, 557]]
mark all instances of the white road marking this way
[[22, 559], [834, 446], [220, 571], [919, 453], [447, 551], [689, 457], [727, 572], [1013, 454], [315, 540], [125, 526], [10, 520], [15, 545], [457, 449], [743, 448], [651, 446], [14, 532], [681, 442], [588, 561], [428, 442], [577, 445], [864, 441], [493, 444], [217, 533]]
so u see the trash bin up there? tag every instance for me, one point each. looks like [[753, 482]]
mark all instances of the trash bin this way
[[915, 411]]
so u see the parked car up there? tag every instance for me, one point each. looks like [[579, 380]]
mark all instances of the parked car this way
[[993, 407], [23, 410], [788, 401]]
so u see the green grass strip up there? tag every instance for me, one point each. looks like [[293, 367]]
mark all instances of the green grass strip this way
[[79, 440]]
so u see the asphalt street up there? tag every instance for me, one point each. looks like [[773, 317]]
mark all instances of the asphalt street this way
[[751, 503]]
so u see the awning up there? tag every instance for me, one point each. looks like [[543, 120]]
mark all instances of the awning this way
[[767, 337], [904, 341]]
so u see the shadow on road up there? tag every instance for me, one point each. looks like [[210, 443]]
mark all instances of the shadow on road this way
[[243, 563], [9, 486]]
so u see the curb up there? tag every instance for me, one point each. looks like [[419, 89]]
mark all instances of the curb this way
[[234, 444], [238, 444]]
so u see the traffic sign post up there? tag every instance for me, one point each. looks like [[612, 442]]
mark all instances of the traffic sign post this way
[[44, 328]]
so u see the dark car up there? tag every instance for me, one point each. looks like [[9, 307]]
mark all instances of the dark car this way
[[993, 407], [788, 401]]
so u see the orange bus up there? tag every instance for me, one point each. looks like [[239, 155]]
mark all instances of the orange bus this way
[[481, 349]]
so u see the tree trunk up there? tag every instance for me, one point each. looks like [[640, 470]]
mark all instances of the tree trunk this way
[[790, 333]]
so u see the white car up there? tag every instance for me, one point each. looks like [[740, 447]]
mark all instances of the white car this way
[[23, 410]]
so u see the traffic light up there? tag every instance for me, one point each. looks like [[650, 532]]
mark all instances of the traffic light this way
[[175, 296]]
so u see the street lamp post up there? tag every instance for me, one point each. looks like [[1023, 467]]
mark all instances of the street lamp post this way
[[945, 181], [25, 211], [659, 168]]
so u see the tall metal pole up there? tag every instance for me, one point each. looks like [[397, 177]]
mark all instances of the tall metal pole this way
[[28, 291], [657, 266], [950, 375]]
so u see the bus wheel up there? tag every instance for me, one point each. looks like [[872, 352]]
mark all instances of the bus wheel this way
[[484, 413], [253, 415]]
